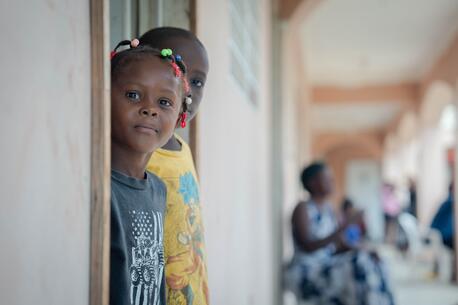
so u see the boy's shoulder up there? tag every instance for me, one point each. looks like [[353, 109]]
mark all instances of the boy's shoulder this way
[[184, 152], [167, 163]]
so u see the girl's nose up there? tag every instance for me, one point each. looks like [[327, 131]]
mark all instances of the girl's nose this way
[[148, 111]]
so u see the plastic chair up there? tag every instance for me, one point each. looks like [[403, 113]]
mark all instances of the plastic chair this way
[[425, 247]]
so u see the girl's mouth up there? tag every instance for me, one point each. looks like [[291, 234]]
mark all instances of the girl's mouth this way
[[146, 128]]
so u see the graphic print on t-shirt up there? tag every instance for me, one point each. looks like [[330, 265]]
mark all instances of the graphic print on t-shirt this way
[[185, 268], [147, 261]]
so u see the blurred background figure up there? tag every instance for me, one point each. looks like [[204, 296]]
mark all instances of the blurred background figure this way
[[443, 220], [329, 265], [412, 208], [391, 209], [354, 233]]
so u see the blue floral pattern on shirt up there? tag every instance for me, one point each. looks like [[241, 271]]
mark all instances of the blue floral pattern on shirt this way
[[188, 189]]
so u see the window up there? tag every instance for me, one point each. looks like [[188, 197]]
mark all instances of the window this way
[[244, 45], [131, 18]]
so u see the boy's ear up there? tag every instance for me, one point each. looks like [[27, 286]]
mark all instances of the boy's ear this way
[[177, 124], [181, 120]]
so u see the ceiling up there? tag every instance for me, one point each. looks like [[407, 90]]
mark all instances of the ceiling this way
[[353, 117], [356, 43], [366, 42]]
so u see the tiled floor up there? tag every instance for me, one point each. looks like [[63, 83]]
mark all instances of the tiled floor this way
[[427, 293], [413, 287]]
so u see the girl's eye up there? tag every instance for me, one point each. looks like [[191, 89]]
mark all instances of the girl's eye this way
[[197, 83], [164, 102], [133, 96]]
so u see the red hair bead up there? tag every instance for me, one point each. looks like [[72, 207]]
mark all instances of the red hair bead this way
[[176, 69], [183, 120]]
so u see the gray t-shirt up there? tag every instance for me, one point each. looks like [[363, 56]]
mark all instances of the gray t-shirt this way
[[137, 253]]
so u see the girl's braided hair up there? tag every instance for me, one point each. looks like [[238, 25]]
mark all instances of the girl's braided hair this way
[[121, 59]]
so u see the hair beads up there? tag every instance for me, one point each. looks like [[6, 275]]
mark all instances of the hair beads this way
[[175, 61]]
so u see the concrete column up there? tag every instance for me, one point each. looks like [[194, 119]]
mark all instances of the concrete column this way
[[432, 179]]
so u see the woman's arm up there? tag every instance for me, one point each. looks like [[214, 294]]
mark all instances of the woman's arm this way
[[300, 223]]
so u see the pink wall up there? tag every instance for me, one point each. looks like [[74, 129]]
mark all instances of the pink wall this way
[[45, 154], [234, 167]]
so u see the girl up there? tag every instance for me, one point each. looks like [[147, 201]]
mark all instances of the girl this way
[[148, 100]]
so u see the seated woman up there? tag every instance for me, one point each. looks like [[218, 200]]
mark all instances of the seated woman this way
[[325, 269]]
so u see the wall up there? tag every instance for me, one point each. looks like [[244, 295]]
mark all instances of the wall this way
[[45, 131], [234, 167], [433, 180]]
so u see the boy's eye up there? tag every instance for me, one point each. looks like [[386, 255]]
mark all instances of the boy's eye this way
[[197, 83], [133, 96], [164, 102]]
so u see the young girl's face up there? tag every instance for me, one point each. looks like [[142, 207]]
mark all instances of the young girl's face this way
[[146, 101]]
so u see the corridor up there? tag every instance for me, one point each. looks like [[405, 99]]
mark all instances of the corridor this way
[[378, 100]]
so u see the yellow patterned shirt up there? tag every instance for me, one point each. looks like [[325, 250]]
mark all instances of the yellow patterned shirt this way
[[185, 265]]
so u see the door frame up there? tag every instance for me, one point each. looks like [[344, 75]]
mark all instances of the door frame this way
[[100, 153]]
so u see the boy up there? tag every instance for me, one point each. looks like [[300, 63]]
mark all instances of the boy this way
[[186, 271]]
